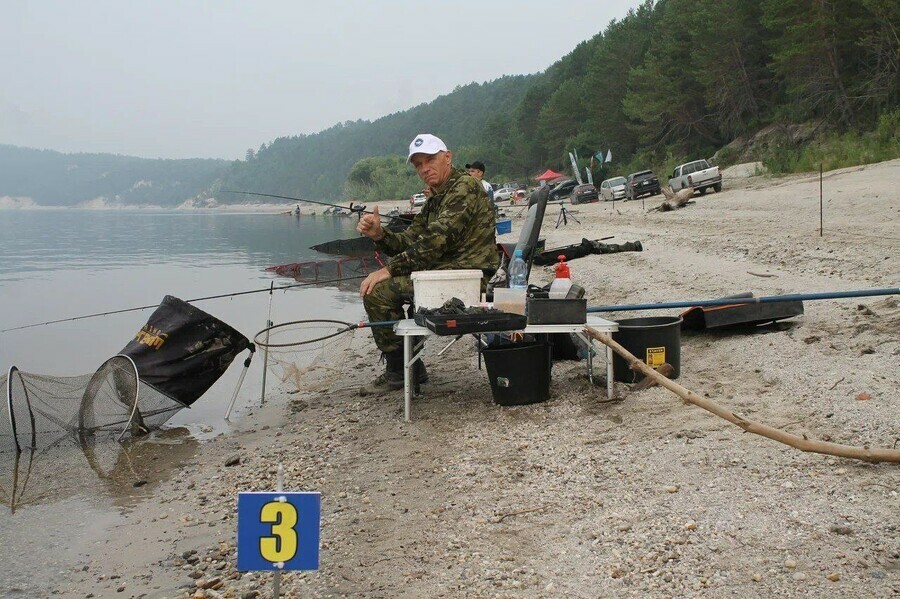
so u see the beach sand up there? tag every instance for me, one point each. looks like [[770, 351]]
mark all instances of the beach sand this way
[[580, 497]]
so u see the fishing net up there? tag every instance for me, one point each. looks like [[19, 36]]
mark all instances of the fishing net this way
[[106, 401], [307, 354], [172, 360], [329, 271]]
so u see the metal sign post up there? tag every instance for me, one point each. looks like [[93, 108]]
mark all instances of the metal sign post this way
[[278, 531], [821, 208]]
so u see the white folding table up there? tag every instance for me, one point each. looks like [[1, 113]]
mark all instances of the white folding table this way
[[409, 329]]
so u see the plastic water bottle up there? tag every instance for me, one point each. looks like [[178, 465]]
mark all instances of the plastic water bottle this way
[[518, 272]]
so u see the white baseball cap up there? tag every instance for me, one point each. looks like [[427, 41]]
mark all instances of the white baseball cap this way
[[425, 143]]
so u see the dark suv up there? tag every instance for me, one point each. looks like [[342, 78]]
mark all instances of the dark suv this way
[[582, 194], [639, 184], [562, 190]]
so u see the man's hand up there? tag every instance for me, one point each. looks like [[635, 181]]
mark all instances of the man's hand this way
[[370, 226], [368, 284]]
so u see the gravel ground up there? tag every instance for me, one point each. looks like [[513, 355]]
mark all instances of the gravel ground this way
[[580, 497]]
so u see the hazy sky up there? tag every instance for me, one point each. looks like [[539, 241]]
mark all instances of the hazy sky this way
[[211, 79]]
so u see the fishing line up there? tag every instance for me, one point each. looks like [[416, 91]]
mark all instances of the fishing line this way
[[198, 299], [356, 210]]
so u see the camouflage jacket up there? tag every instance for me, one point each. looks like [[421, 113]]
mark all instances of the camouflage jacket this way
[[454, 230]]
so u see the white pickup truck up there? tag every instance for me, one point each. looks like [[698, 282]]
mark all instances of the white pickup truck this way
[[697, 174]]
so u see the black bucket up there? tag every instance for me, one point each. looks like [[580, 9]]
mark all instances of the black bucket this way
[[655, 340], [519, 373]]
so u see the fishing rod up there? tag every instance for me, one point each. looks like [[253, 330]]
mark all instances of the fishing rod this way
[[790, 297], [197, 299], [356, 210]]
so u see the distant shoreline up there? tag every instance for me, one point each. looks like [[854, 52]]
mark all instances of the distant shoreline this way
[[8, 203]]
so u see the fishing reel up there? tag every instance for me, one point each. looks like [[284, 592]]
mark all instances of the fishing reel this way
[[358, 210]]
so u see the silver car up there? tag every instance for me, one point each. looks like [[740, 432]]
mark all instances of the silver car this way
[[503, 194], [613, 189]]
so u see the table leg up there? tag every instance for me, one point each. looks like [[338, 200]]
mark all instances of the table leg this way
[[407, 376], [610, 391], [590, 361]]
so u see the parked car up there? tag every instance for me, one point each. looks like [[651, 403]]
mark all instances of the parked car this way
[[418, 200], [583, 194], [563, 190], [514, 185], [503, 194], [697, 174], [641, 183], [613, 189]]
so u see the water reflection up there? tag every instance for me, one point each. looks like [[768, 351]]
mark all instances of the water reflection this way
[[91, 466]]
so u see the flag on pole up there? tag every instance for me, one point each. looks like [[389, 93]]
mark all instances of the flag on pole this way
[[575, 168], [599, 155], [609, 156]]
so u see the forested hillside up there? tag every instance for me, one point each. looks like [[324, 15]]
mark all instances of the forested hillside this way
[[674, 79], [316, 166], [794, 83], [55, 179]]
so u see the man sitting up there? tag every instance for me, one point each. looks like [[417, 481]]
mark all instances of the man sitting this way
[[454, 230]]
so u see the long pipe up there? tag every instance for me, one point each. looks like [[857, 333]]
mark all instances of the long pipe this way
[[272, 195], [790, 297]]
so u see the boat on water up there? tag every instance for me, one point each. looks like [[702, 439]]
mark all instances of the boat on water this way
[[363, 246], [351, 258]]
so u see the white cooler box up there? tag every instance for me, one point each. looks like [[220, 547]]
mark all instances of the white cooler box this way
[[434, 287]]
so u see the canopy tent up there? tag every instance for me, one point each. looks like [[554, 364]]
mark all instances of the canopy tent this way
[[548, 175]]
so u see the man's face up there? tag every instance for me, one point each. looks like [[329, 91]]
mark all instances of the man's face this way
[[433, 169], [477, 173]]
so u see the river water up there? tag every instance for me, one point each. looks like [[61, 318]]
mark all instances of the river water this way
[[61, 264]]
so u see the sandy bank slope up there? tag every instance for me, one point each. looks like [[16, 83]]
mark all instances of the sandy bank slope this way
[[579, 498]]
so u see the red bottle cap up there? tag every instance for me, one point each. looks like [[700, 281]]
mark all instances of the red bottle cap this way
[[562, 269]]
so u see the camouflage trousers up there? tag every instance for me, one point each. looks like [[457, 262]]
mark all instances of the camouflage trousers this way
[[385, 302]]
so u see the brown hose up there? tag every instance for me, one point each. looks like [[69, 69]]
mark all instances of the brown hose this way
[[798, 442]]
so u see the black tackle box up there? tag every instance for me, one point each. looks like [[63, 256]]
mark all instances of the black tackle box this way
[[461, 324]]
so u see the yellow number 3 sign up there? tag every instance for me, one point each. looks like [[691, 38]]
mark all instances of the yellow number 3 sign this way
[[278, 531], [282, 545]]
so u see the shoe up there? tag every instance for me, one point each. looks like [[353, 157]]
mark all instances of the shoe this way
[[388, 381], [419, 372]]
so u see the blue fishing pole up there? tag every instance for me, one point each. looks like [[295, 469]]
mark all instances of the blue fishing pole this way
[[790, 297]]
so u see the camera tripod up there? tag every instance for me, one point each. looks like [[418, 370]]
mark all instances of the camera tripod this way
[[564, 216]]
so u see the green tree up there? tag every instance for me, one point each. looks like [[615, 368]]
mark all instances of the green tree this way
[[665, 101], [811, 48], [731, 65], [381, 178]]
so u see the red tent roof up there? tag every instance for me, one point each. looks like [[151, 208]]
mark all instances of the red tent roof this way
[[548, 175]]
